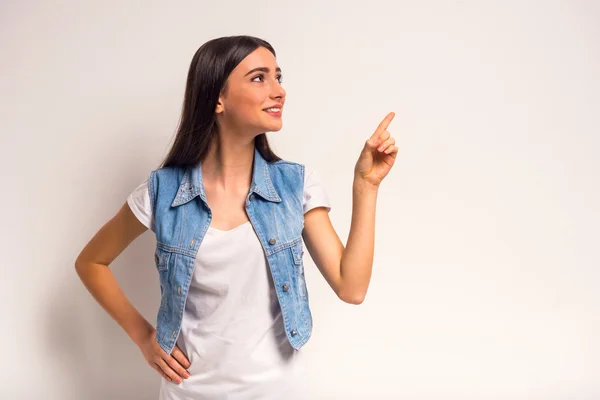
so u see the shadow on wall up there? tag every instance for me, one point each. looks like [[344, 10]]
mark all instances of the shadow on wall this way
[[92, 351]]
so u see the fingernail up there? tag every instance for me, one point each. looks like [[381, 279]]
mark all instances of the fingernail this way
[[187, 374]]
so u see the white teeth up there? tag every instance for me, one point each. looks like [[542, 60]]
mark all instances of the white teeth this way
[[273, 109]]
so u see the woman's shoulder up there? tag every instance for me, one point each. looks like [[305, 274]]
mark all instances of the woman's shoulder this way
[[310, 174], [286, 163]]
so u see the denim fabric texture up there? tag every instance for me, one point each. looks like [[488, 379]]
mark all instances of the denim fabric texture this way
[[182, 217]]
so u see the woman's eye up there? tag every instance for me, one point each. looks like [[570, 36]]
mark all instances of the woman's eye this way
[[261, 76]]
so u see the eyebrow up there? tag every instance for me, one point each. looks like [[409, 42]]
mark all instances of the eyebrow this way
[[263, 69]]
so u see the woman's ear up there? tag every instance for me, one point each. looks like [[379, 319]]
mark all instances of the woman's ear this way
[[219, 108]]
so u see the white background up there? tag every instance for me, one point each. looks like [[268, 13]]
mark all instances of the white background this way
[[486, 274]]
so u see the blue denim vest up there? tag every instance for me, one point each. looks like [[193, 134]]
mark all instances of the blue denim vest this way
[[182, 217]]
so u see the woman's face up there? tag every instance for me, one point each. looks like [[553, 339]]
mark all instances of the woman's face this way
[[253, 86]]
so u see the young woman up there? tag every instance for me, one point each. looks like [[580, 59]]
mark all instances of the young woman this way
[[230, 218]]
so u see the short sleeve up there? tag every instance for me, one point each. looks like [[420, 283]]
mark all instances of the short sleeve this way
[[139, 203], [315, 194]]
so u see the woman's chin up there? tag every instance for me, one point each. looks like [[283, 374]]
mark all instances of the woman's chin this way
[[274, 127]]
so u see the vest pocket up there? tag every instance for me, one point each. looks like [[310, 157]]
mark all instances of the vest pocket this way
[[161, 258], [297, 254]]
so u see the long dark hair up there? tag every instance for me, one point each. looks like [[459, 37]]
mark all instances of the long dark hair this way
[[206, 80]]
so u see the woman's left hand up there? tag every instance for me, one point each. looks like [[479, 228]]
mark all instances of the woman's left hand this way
[[378, 155]]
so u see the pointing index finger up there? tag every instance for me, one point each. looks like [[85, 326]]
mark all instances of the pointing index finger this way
[[383, 125]]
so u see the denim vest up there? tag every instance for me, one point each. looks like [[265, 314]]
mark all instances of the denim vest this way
[[182, 217]]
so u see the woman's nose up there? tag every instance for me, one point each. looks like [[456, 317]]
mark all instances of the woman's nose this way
[[279, 91]]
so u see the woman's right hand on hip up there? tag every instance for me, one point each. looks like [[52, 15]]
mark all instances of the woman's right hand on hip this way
[[171, 367]]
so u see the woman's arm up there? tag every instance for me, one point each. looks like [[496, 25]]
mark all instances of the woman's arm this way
[[348, 269], [357, 260], [92, 267]]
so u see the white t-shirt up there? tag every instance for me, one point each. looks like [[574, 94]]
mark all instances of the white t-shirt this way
[[232, 330]]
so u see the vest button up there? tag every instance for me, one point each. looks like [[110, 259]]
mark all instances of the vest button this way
[[252, 196], [285, 288], [293, 332], [272, 241]]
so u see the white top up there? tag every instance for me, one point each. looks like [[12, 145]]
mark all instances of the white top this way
[[232, 330]]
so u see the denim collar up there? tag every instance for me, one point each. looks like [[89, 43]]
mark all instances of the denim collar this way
[[192, 184]]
